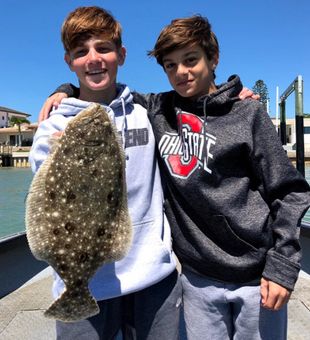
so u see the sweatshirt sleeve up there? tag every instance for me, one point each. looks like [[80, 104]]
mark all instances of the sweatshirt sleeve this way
[[69, 89], [145, 100], [41, 141], [286, 192]]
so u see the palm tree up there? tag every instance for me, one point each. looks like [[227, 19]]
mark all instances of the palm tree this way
[[19, 121]]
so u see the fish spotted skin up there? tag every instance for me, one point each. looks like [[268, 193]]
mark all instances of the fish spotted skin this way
[[76, 210]]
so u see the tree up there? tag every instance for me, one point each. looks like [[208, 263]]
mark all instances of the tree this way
[[18, 121], [261, 88]]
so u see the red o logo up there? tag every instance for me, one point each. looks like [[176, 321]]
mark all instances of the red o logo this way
[[175, 161]]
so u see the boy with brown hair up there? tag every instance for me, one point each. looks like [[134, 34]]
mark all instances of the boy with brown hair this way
[[233, 199], [140, 294]]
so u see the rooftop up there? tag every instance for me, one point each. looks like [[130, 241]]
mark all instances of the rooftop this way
[[8, 110]]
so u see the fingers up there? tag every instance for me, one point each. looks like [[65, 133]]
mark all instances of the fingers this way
[[57, 134], [274, 296], [247, 93], [264, 291], [50, 103], [46, 108], [242, 94]]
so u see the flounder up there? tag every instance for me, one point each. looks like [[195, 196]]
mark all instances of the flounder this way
[[76, 209]]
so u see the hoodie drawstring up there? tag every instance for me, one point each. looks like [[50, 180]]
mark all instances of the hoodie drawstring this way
[[178, 112], [204, 134], [124, 124]]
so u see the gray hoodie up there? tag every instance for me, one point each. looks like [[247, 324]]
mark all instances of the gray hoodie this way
[[233, 199]]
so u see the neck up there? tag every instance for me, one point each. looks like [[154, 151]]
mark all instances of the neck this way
[[101, 96], [212, 88]]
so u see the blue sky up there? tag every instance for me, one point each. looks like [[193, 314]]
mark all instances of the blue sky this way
[[267, 39]]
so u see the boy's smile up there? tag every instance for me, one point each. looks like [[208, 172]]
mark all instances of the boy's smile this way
[[189, 71], [95, 63]]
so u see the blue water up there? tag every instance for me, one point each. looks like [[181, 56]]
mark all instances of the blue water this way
[[14, 185]]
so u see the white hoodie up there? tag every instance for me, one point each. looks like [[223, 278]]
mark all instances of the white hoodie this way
[[150, 258]]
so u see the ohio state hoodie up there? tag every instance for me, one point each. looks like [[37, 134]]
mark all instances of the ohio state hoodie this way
[[233, 198]]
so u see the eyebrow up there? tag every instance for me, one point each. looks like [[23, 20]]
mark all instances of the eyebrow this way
[[185, 55], [96, 42]]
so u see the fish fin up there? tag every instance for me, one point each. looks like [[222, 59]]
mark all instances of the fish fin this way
[[73, 305]]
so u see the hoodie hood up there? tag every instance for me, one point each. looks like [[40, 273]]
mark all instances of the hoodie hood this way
[[119, 107], [213, 104], [71, 106]]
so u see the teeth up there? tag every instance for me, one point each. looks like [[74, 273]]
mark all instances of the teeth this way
[[95, 72]]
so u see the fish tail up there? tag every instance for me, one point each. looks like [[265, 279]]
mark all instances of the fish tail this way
[[73, 306]]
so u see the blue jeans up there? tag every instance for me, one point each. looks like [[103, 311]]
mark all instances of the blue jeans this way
[[215, 310], [149, 314]]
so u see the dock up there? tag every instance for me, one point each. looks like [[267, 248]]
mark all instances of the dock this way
[[14, 156]]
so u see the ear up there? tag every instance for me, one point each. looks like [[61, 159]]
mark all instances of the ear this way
[[121, 55], [215, 62], [68, 60]]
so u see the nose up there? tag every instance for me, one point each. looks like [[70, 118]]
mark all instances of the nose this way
[[93, 56], [181, 69]]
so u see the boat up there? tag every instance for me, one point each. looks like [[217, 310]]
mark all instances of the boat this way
[[25, 292]]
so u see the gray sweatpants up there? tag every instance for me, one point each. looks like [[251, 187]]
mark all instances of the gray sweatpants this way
[[216, 310], [149, 314]]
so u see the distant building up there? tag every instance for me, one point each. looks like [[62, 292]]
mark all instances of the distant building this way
[[291, 132], [6, 114], [10, 135]]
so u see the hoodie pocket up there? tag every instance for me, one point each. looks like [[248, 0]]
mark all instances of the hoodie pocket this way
[[223, 235], [147, 246]]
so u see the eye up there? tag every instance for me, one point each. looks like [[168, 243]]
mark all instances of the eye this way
[[190, 61], [78, 53], [169, 66], [103, 49]]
